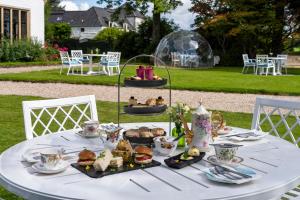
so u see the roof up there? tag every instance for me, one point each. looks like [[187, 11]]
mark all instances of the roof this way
[[93, 17]]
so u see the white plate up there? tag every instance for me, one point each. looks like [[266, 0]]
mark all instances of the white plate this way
[[235, 161], [60, 167], [80, 133], [31, 156], [259, 135], [223, 179]]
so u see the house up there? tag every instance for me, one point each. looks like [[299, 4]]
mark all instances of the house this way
[[86, 24], [20, 19]]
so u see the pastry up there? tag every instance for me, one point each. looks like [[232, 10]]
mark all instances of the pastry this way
[[160, 101], [158, 132], [136, 78], [116, 162], [151, 102], [143, 155], [156, 77], [124, 145], [132, 101], [194, 152], [126, 155], [86, 157], [146, 134], [103, 160], [132, 133], [144, 128]]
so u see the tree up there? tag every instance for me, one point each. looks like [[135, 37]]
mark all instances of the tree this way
[[111, 35], [50, 6], [159, 7], [61, 31]]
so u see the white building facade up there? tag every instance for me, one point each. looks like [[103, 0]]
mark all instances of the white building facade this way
[[20, 19]]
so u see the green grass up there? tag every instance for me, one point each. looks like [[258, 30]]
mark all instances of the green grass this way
[[219, 79], [28, 64], [12, 126]]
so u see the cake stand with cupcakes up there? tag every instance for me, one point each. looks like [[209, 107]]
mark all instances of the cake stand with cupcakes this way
[[144, 77]]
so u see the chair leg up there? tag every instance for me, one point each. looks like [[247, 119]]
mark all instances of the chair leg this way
[[256, 71], [285, 70], [61, 70], [68, 70], [81, 69], [267, 71], [243, 69]]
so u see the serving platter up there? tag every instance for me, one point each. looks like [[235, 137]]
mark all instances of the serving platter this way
[[177, 163], [144, 109], [91, 172], [140, 140], [145, 83]]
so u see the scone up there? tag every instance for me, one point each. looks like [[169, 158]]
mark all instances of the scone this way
[[132, 133], [146, 134], [160, 101], [151, 102], [158, 132]]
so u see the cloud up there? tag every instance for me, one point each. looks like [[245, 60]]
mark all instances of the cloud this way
[[72, 6]]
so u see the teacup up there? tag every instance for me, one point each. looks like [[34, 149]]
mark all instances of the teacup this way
[[90, 128], [50, 158], [225, 152]]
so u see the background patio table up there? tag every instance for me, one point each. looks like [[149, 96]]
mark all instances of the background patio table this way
[[277, 161], [91, 72], [277, 61]]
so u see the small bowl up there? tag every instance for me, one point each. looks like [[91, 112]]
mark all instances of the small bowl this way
[[225, 152], [164, 145]]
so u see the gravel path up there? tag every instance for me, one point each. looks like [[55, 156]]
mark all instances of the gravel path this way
[[26, 69], [212, 100]]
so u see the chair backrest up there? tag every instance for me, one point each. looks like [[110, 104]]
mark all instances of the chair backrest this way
[[64, 56], [51, 116], [278, 117], [113, 58], [77, 54], [262, 59], [245, 58], [175, 56]]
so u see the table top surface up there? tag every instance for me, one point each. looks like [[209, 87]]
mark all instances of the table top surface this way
[[277, 58], [94, 55], [276, 160]]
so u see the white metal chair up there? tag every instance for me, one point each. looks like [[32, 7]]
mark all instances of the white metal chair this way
[[248, 63], [51, 116], [78, 55], [263, 63], [279, 118], [175, 58], [70, 63], [113, 62], [283, 62]]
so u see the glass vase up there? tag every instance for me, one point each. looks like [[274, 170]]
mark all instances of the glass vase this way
[[176, 131]]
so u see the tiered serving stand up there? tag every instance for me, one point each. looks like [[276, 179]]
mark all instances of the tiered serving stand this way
[[144, 84]]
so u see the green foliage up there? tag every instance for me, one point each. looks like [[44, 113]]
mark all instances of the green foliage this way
[[58, 31], [110, 35]]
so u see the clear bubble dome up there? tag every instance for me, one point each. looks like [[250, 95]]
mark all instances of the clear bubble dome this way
[[185, 49]]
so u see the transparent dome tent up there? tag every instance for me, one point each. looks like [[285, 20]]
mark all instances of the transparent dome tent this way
[[186, 49]]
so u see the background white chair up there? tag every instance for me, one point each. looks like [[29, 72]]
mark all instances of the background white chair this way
[[71, 64], [175, 58], [51, 116], [279, 118], [78, 55], [283, 62], [248, 63], [263, 63], [113, 62]]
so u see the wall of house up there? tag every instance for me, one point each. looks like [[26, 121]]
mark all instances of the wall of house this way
[[135, 21], [89, 32], [36, 8]]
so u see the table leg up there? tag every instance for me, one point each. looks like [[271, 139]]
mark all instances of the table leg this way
[[90, 65]]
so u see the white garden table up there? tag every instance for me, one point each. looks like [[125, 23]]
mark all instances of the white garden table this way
[[278, 65], [91, 72], [277, 161]]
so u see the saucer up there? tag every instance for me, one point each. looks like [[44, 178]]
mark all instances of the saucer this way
[[31, 156], [235, 161], [80, 133], [60, 167], [225, 130]]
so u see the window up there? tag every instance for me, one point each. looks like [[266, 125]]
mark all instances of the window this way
[[13, 23], [82, 30]]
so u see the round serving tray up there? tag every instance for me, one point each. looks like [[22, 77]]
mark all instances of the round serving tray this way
[[145, 83], [145, 110], [140, 140]]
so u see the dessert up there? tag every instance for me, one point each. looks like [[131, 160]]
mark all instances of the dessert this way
[[186, 156], [143, 155], [132, 133], [123, 150], [158, 132], [155, 77], [124, 145], [194, 152], [144, 128], [160, 101], [86, 157], [132, 101], [146, 134], [116, 162], [103, 160], [151, 102]]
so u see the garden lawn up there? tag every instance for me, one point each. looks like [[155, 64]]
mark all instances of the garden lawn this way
[[12, 126], [219, 79]]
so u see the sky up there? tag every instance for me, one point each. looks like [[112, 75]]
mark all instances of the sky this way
[[181, 15]]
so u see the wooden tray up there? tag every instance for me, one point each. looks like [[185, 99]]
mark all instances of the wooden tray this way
[[145, 83], [171, 162], [140, 140], [110, 171], [145, 110]]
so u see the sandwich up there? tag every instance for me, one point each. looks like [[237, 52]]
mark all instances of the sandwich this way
[[103, 160], [116, 162], [143, 155], [86, 157]]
